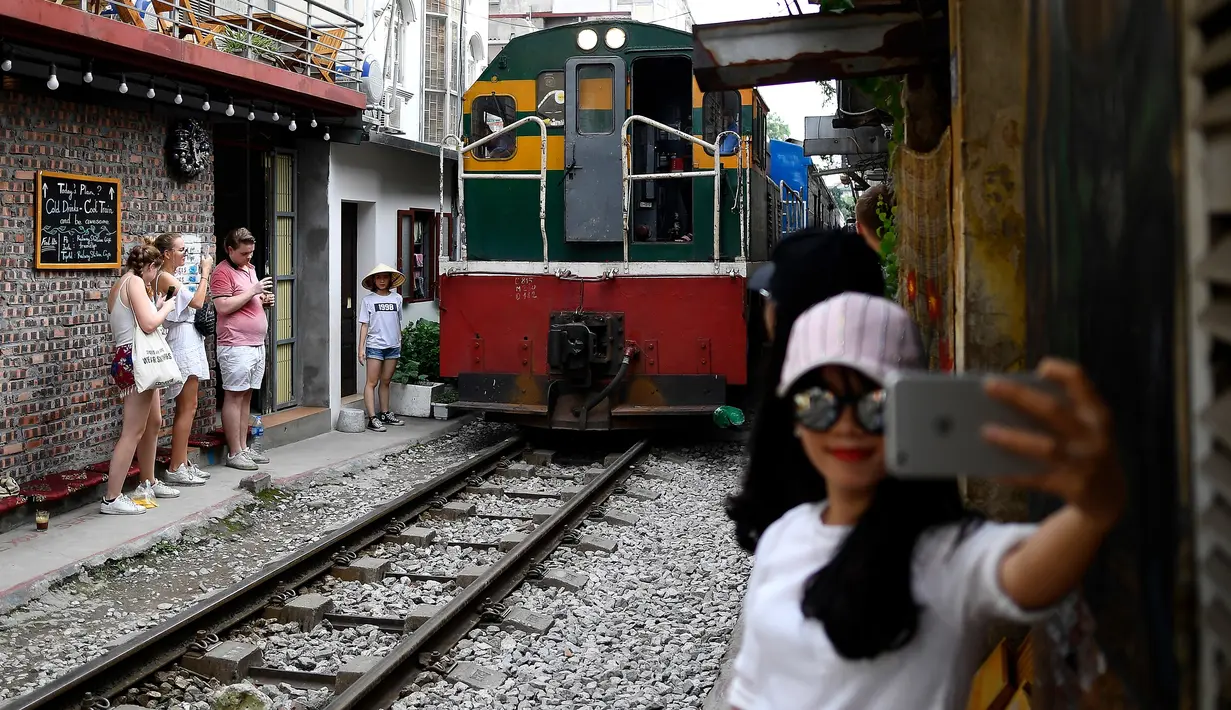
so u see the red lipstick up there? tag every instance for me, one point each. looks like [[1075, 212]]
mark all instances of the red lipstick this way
[[851, 455]]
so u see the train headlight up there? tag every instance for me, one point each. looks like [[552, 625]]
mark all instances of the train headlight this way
[[615, 38], [587, 40]]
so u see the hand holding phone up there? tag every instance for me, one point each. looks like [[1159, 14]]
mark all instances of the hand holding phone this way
[[934, 425]]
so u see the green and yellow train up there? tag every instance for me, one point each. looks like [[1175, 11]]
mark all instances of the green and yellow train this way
[[599, 278]]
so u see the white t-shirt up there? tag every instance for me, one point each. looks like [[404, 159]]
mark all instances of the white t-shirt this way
[[786, 662], [383, 314]]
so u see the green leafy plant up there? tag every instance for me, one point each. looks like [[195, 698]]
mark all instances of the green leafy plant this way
[[836, 5], [420, 361], [888, 232], [238, 41]]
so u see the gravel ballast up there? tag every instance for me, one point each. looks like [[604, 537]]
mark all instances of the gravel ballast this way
[[102, 607], [647, 630]]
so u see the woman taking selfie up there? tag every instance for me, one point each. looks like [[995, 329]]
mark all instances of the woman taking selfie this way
[[188, 347], [133, 304], [875, 592]]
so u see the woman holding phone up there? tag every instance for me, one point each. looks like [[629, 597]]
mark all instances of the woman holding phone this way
[[188, 347], [875, 592], [133, 304]]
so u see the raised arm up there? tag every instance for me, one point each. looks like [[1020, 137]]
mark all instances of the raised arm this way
[[148, 316], [198, 298], [1082, 470]]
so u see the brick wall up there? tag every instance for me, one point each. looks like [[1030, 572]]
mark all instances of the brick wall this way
[[58, 408]]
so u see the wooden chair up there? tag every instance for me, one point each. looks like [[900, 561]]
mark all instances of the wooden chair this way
[[325, 52], [126, 12], [193, 28]]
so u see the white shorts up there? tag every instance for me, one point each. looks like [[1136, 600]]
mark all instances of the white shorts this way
[[242, 367]]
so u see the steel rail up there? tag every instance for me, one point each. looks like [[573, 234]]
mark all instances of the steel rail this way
[[382, 685], [110, 674]]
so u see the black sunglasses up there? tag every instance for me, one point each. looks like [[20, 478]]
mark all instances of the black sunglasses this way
[[820, 409]]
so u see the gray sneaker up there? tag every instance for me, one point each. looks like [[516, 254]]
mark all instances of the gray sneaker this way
[[183, 476], [255, 456], [199, 472], [241, 462]]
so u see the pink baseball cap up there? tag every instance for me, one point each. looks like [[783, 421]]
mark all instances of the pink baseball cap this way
[[868, 334]]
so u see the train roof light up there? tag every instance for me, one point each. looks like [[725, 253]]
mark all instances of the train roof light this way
[[587, 40], [615, 38]]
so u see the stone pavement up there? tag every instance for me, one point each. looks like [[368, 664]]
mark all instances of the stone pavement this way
[[31, 561]]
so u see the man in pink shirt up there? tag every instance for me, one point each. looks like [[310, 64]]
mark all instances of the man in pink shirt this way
[[240, 299]]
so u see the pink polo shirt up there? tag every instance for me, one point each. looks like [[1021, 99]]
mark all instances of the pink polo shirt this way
[[248, 325]]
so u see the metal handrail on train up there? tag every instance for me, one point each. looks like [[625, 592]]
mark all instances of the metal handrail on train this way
[[629, 177], [462, 176], [793, 208]]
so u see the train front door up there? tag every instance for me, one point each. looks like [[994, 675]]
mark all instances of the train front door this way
[[594, 113]]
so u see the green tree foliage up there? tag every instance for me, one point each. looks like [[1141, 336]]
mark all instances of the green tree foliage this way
[[888, 232], [776, 128]]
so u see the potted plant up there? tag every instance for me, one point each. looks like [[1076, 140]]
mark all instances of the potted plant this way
[[238, 41], [414, 387]]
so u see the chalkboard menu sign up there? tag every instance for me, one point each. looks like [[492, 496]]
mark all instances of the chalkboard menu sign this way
[[76, 222]]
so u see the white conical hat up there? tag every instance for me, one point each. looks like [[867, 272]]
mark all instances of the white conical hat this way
[[398, 278]]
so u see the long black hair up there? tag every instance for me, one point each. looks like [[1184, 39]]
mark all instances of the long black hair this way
[[863, 596], [810, 266]]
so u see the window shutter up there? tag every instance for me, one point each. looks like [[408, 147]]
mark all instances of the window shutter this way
[[1209, 178]]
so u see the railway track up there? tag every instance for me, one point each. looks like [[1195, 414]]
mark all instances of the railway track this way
[[194, 638]]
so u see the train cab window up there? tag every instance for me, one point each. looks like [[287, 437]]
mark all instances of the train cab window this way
[[488, 115], [721, 111], [662, 91], [595, 98], [549, 98]]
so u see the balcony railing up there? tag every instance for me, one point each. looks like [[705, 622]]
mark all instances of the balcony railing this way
[[303, 36]]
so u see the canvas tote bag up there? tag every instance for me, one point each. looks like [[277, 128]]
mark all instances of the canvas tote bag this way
[[153, 363]]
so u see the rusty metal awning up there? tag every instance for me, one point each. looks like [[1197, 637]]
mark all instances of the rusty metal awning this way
[[817, 46]]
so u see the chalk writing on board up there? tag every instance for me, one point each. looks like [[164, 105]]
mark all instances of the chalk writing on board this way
[[77, 222]]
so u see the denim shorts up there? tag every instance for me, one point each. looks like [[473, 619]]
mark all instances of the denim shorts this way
[[382, 353]]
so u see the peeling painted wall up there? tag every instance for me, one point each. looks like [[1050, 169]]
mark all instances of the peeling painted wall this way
[[988, 198], [988, 43]]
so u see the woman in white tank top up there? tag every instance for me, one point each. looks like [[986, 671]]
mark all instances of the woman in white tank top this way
[[132, 304], [188, 347]]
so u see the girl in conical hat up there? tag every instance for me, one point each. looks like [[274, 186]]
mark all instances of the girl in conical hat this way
[[380, 341]]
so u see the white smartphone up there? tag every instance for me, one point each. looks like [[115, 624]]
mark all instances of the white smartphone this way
[[934, 421]]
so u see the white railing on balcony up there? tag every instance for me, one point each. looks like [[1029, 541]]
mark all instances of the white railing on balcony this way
[[303, 36]]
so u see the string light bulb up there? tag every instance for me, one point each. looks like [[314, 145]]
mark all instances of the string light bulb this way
[[88, 77], [179, 97], [205, 103], [149, 93], [313, 123], [326, 134], [52, 82], [6, 65], [276, 117], [292, 125], [230, 109], [251, 114], [123, 85]]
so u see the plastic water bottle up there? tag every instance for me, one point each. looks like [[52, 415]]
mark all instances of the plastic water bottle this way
[[256, 429]]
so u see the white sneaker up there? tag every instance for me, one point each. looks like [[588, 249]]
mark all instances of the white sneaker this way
[[199, 472], [255, 456], [122, 505], [241, 462], [183, 476], [162, 490]]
